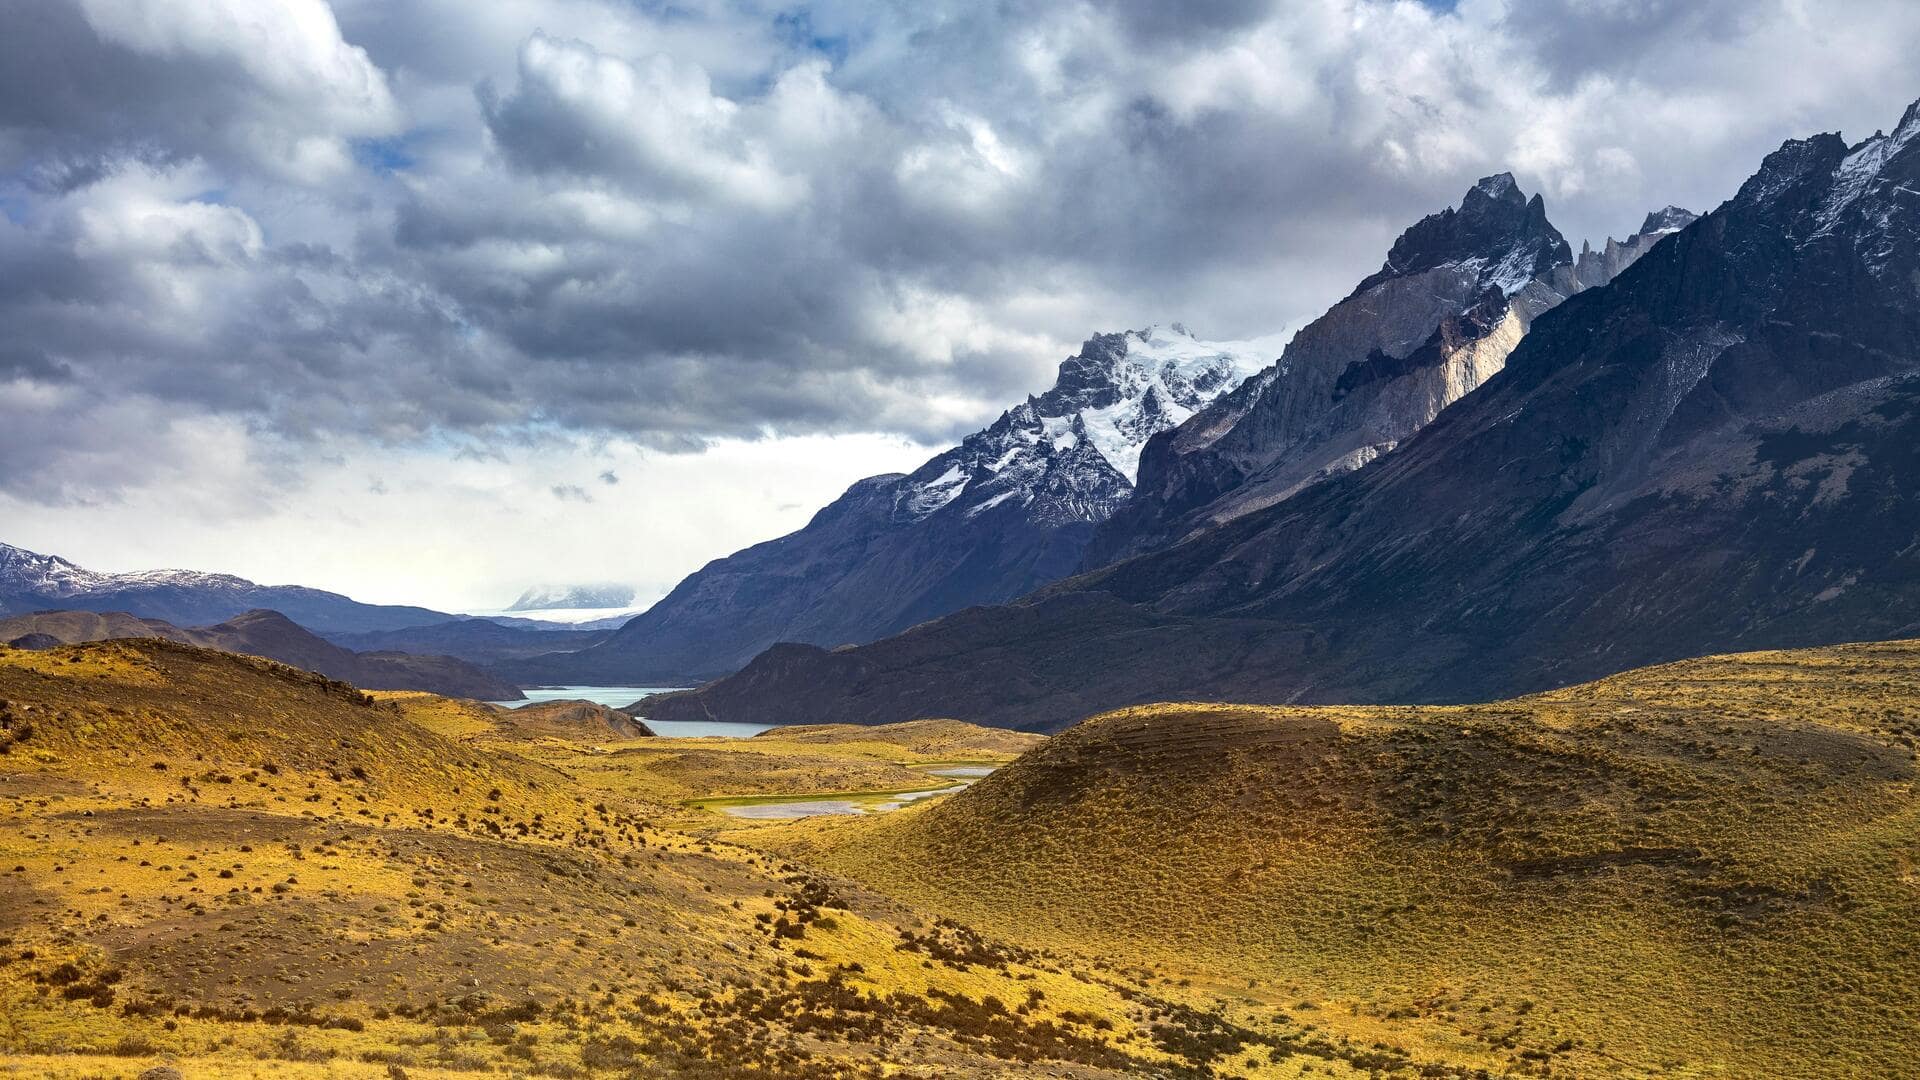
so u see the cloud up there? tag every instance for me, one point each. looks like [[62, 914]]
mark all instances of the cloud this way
[[266, 84], [570, 493], [235, 232], [653, 126]]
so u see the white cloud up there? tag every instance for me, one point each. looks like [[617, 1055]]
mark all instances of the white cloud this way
[[654, 125], [283, 246], [410, 536], [294, 90]]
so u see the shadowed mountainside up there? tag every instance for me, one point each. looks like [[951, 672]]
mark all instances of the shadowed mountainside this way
[[477, 641]]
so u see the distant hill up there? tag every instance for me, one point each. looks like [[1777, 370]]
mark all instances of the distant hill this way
[[931, 738], [274, 636], [30, 581], [475, 640], [583, 721], [1705, 868]]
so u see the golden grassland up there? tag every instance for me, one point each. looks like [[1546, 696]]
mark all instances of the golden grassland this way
[[232, 868], [221, 864], [1703, 869], [667, 772]]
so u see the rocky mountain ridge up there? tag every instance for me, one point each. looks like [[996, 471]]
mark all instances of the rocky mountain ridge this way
[[1716, 451], [1457, 292]]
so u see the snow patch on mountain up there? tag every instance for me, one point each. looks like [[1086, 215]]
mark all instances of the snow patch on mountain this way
[[1864, 165]]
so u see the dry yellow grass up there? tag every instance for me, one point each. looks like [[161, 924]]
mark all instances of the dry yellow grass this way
[[1706, 869], [231, 865]]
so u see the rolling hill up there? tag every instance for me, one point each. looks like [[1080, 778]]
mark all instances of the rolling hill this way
[[475, 640], [276, 637], [227, 867], [1701, 869]]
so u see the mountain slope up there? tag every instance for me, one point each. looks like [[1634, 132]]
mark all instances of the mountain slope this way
[[30, 581], [1006, 511], [276, 637], [1458, 291], [1716, 451], [1701, 869]]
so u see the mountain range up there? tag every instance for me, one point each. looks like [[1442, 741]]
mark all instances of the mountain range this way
[[1715, 450], [274, 636], [1144, 437], [30, 582], [1011, 508]]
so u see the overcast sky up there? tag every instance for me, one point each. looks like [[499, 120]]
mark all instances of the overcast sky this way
[[432, 301]]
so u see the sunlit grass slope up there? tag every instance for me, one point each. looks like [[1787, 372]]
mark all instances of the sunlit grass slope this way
[[242, 870], [1701, 869]]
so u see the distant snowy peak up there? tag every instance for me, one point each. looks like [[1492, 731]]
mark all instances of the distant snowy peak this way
[[1873, 197], [563, 597], [23, 571], [1669, 220], [1072, 453], [1496, 231]]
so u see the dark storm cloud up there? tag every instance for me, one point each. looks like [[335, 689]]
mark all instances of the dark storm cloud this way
[[261, 222], [1156, 20], [1625, 38]]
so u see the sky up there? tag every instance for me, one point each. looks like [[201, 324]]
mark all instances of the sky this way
[[434, 301]]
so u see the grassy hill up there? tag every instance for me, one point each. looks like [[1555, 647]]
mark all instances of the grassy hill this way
[[946, 740], [1701, 869], [242, 869], [1705, 869], [274, 636]]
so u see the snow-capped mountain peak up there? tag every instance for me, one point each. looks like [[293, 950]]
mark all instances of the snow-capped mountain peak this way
[[545, 597], [1072, 453]]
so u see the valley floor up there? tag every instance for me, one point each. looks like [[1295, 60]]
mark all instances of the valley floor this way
[[226, 867]]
